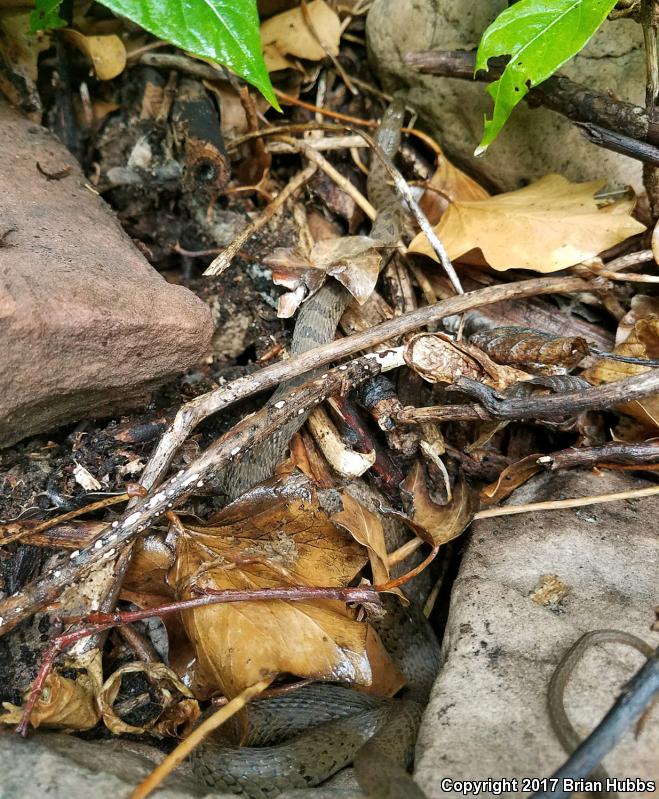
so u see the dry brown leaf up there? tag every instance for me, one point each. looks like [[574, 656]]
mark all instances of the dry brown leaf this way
[[288, 34], [306, 457], [19, 52], [439, 359], [107, 53], [642, 305], [65, 704], [642, 342], [179, 709], [366, 528], [276, 535], [353, 260], [511, 478], [436, 524], [547, 226], [447, 185]]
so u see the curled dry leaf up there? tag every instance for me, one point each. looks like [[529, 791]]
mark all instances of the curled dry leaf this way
[[511, 478], [107, 53], [439, 359], [531, 349], [288, 34], [178, 713], [366, 528], [434, 523], [65, 704], [642, 342], [353, 260], [275, 535], [547, 226], [642, 306]]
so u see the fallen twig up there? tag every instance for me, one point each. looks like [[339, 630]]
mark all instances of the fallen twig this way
[[630, 705], [411, 546], [223, 260], [597, 398], [624, 452], [559, 504], [559, 93], [191, 414]]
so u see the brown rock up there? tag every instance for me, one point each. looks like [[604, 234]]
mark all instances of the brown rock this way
[[87, 325]]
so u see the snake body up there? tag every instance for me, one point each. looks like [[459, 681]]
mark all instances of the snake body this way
[[301, 739]]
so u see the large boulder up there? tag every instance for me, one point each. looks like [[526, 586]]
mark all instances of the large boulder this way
[[534, 141], [87, 324]]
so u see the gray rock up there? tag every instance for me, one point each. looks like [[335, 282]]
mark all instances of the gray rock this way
[[487, 715], [64, 767], [87, 325], [534, 141]]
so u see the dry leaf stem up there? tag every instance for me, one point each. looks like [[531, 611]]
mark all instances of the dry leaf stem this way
[[411, 546]]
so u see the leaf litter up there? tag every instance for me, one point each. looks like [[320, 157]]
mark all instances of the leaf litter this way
[[310, 530]]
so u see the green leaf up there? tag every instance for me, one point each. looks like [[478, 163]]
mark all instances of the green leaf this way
[[45, 16], [224, 31], [540, 36]]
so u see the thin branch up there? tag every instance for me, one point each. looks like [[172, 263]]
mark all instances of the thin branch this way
[[558, 93], [648, 19], [619, 143], [332, 172], [625, 452], [559, 504], [223, 260], [597, 398], [191, 414], [637, 695]]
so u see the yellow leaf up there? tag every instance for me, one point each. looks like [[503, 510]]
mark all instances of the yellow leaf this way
[[65, 704], [275, 535], [545, 227], [107, 53], [642, 342], [289, 34], [366, 528], [177, 708]]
